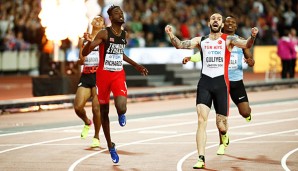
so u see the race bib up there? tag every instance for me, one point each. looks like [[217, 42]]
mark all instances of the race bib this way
[[113, 62], [233, 62]]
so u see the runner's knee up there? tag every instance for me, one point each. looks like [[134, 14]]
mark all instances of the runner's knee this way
[[78, 108]]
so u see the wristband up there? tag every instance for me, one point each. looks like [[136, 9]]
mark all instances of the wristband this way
[[195, 58]]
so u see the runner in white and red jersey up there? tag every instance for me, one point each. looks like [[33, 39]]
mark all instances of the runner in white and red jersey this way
[[87, 85], [110, 76], [213, 86]]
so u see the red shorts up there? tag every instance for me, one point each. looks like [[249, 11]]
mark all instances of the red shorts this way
[[107, 82]]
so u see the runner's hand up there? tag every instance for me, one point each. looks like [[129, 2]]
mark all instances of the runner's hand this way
[[142, 70], [87, 36], [185, 60], [254, 31], [168, 29], [250, 62]]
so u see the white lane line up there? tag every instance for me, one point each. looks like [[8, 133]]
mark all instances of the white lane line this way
[[157, 117], [40, 130], [181, 161], [72, 167], [138, 129], [38, 143], [157, 132], [284, 159]]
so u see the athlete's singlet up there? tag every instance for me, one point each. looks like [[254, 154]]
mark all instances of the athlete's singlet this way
[[110, 75], [215, 56], [91, 61], [88, 76], [214, 83], [235, 66], [112, 58]]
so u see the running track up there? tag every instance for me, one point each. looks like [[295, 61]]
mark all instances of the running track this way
[[159, 135]]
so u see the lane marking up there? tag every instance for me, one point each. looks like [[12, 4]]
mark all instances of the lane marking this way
[[157, 132], [169, 125], [284, 159], [181, 161], [156, 117], [72, 167], [152, 127]]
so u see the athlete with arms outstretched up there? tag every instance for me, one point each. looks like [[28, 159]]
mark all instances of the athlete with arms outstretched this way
[[213, 85]]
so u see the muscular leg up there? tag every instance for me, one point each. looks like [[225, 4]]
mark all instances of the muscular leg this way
[[82, 95], [244, 109], [105, 121], [120, 104], [96, 113], [222, 125], [201, 137]]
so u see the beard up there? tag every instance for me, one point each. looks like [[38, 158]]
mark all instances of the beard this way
[[120, 22], [215, 30]]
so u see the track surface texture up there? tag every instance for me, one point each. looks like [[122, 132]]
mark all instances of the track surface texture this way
[[159, 135]]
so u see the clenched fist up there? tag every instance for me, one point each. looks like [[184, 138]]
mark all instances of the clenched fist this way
[[168, 29], [87, 36], [254, 31]]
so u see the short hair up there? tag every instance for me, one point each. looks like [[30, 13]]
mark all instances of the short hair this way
[[112, 7], [97, 16], [231, 16]]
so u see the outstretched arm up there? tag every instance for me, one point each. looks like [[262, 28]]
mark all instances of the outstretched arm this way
[[187, 44], [248, 57], [137, 66], [235, 41]]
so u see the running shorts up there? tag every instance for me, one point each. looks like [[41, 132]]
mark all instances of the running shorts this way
[[214, 90], [238, 92], [87, 80], [110, 81]]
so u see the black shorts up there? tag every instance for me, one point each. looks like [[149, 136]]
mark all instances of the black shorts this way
[[87, 80], [214, 90], [238, 92]]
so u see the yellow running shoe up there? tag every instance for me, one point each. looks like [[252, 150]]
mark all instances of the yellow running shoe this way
[[95, 143], [221, 149], [248, 119], [85, 130], [200, 164], [225, 139]]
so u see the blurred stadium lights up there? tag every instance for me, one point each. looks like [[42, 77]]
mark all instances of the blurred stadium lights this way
[[63, 19]]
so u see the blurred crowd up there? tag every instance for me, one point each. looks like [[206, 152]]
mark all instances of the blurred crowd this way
[[146, 19], [20, 27]]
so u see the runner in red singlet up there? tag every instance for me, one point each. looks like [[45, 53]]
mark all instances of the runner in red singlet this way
[[110, 75]]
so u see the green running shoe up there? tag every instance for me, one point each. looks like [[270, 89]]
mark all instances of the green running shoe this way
[[95, 143], [221, 149], [248, 119], [85, 130], [200, 164]]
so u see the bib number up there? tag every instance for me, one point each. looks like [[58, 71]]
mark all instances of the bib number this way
[[113, 62]]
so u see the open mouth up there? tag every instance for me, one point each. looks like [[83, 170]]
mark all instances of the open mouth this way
[[215, 25]]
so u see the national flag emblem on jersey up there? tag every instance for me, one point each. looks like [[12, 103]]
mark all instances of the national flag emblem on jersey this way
[[111, 39]]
